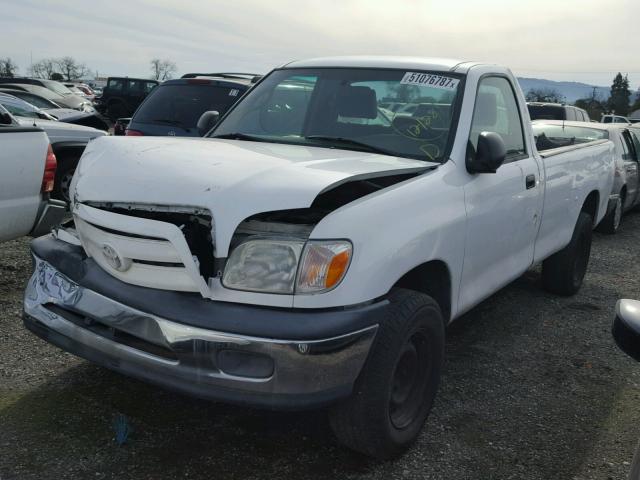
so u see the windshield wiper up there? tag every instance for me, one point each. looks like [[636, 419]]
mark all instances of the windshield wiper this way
[[240, 136], [353, 143]]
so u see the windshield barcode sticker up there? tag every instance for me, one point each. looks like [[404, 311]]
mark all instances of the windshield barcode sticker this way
[[430, 80]]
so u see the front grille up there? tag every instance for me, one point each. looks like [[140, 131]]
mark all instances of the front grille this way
[[196, 228]]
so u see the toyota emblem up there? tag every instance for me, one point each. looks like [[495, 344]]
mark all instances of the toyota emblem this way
[[114, 259]]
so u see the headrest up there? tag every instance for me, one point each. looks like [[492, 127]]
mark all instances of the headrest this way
[[357, 102], [486, 109]]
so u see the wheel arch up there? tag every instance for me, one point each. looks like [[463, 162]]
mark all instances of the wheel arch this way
[[591, 205], [432, 278]]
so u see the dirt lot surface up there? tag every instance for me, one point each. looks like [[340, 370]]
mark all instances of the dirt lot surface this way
[[534, 388]]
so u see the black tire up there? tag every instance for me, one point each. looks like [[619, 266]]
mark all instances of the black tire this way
[[611, 222], [64, 175], [396, 388], [563, 272]]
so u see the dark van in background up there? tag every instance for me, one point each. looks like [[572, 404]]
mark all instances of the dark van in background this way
[[175, 107], [557, 111]]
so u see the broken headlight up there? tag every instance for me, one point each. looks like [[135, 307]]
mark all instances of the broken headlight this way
[[271, 266]]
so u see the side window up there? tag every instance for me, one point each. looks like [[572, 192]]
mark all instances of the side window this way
[[115, 85], [571, 113], [629, 147], [496, 110], [636, 144], [148, 86]]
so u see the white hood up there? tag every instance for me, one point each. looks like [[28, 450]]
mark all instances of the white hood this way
[[232, 179]]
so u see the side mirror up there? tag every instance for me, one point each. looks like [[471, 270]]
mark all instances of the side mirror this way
[[626, 327], [207, 120], [5, 119], [489, 155]]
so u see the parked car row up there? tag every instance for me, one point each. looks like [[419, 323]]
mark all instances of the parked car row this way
[[311, 248]]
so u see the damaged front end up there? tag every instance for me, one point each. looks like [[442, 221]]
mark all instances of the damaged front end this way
[[173, 247]]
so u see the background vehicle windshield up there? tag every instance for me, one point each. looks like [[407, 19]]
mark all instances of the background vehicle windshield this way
[[18, 107], [57, 87], [347, 108], [555, 136], [182, 105]]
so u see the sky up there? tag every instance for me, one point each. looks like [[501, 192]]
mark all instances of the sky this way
[[576, 40]]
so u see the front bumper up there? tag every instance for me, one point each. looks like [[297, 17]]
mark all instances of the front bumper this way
[[237, 368]]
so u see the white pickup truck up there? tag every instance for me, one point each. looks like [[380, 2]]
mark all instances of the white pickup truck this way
[[313, 248], [27, 171]]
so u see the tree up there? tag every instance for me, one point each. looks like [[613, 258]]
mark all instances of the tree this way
[[57, 77], [8, 68], [43, 68], [544, 95], [162, 69], [70, 68], [620, 95], [593, 104]]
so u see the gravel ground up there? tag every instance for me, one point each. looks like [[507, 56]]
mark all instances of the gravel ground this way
[[534, 388]]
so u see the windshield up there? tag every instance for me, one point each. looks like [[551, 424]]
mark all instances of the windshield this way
[[182, 105], [18, 107], [56, 87], [348, 108]]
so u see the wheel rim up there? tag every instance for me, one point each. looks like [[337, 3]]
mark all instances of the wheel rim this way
[[409, 382], [617, 214], [65, 184], [582, 260]]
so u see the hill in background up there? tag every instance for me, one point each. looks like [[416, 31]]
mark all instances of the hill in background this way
[[572, 91]]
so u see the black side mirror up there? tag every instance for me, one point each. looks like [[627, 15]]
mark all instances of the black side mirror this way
[[489, 155], [207, 120], [626, 327], [5, 119]]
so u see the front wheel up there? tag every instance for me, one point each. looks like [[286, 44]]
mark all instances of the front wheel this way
[[563, 272], [395, 391]]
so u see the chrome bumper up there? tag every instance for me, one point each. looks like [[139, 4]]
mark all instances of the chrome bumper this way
[[223, 366]]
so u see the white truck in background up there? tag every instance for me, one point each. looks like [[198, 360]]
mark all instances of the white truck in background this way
[[27, 172], [311, 251]]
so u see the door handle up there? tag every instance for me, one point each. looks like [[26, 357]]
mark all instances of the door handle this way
[[530, 181]]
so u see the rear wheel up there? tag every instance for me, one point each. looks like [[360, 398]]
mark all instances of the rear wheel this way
[[66, 169], [395, 391], [563, 272], [612, 220]]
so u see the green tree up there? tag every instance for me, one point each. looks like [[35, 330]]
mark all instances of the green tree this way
[[620, 95], [7, 67]]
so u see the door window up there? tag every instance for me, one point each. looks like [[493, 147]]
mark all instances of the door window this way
[[497, 111]]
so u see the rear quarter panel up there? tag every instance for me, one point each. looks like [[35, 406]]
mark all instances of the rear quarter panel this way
[[22, 158], [570, 176]]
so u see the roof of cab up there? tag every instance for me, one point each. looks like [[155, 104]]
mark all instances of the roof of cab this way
[[409, 63]]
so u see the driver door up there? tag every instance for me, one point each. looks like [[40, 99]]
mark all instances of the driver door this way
[[503, 208]]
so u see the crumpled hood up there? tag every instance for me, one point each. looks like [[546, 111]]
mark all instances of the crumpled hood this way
[[232, 179]]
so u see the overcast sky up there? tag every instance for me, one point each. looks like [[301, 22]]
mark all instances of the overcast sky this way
[[581, 40]]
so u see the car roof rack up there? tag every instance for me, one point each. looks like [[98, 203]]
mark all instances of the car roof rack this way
[[252, 77]]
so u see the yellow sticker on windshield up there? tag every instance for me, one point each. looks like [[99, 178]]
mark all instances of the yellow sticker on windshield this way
[[430, 80]]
